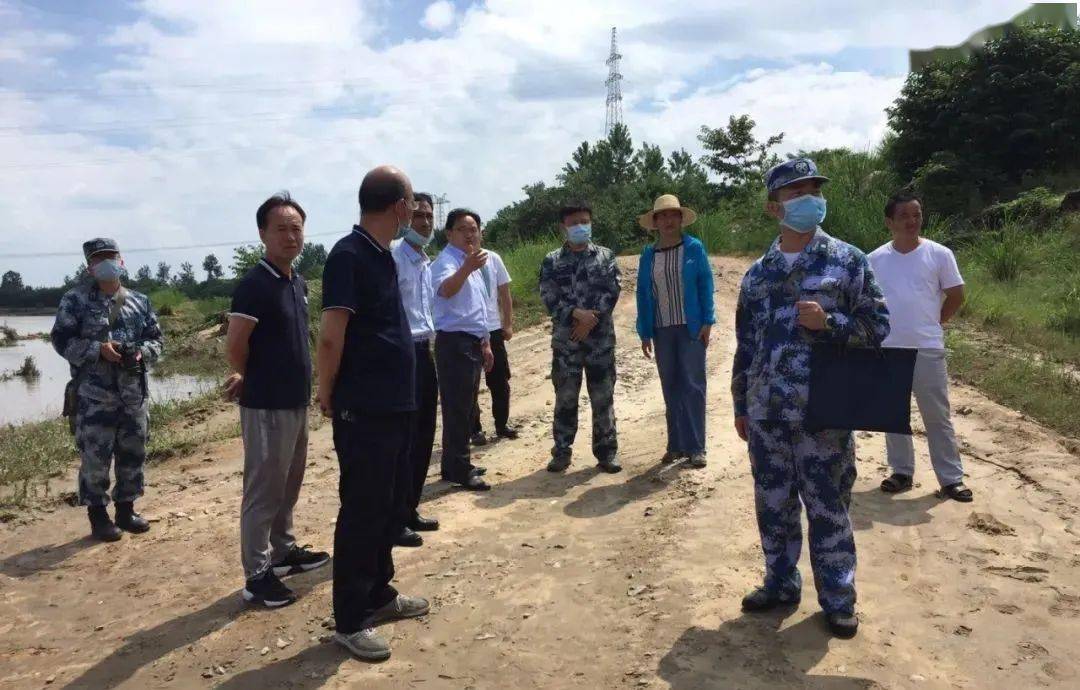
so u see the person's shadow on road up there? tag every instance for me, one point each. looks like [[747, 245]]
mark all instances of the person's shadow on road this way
[[753, 652], [875, 506], [146, 646], [43, 559], [609, 498], [540, 484]]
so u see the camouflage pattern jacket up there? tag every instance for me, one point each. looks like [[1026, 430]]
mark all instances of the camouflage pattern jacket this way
[[770, 379], [588, 279], [82, 325]]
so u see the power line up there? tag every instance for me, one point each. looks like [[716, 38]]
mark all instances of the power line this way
[[143, 250]]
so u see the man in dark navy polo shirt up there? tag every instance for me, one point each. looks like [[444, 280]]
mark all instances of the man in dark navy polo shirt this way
[[268, 349], [269, 352], [367, 375]]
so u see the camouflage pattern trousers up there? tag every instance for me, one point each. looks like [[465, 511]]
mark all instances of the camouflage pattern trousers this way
[[104, 431], [788, 464], [595, 357]]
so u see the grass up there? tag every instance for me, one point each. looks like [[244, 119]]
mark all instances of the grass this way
[[8, 336], [1036, 386], [32, 454], [523, 264]]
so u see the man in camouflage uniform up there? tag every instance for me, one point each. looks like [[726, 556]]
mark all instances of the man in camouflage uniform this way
[[809, 287], [579, 285], [109, 335]]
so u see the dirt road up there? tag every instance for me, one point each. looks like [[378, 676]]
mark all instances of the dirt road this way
[[579, 581]]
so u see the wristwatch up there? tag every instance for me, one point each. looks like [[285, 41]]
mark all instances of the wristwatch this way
[[830, 322]]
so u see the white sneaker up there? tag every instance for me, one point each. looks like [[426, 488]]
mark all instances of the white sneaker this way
[[365, 644]]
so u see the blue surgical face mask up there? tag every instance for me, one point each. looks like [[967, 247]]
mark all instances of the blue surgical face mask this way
[[579, 234], [416, 239], [804, 213], [107, 270]]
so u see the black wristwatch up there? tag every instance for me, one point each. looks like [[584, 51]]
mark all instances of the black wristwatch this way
[[830, 323]]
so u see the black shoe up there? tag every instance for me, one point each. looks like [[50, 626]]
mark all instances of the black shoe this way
[[508, 433], [300, 560], [479, 471], [843, 625], [407, 537], [558, 463], [762, 599], [423, 524], [475, 483], [609, 465], [269, 591], [130, 521], [479, 439], [101, 526]]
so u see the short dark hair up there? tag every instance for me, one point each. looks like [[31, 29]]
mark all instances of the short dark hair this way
[[262, 214], [574, 207], [901, 197], [423, 196], [457, 214], [380, 192]]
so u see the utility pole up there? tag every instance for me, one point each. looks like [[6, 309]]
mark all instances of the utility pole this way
[[614, 89]]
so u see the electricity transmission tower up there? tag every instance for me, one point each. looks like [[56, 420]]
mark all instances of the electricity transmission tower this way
[[440, 210], [614, 89]]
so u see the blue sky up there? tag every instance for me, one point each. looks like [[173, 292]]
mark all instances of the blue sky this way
[[166, 122]]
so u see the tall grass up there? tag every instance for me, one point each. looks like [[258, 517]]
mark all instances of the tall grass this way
[[523, 264]]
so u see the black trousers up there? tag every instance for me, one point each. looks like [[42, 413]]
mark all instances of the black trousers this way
[[498, 382], [459, 361], [427, 403], [374, 487]]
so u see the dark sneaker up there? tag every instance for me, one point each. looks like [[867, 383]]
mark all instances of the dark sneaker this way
[[423, 524], [609, 465], [365, 644], [268, 591], [843, 625], [670, 457], [400, 607], [508, 433], [130, 521], [102, 527], [558, 463], [300, 560], [697, 460], [408, 537], [479, 439], [762, 599]]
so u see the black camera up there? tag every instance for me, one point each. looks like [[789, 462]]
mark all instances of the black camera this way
[[129, 357]]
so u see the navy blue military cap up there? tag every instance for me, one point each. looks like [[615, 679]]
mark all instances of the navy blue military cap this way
[[789, 172], [98, 245]]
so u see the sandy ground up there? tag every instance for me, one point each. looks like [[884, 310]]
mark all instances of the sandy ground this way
[[579, 581]]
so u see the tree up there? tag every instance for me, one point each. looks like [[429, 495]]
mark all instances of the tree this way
[[245, 257], [311, 261], [162, 275], [11, 282], [735, 155], [998, 120], [213, 268], [186, 277], [143, 275], [78, 275]]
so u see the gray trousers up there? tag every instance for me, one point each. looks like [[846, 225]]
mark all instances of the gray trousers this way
[[931, 389], [275, 454]]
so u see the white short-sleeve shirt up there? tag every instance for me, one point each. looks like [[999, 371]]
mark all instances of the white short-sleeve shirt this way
[[496, 275], [914, 285]]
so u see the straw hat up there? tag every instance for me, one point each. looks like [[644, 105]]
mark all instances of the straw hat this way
[[666, 202]]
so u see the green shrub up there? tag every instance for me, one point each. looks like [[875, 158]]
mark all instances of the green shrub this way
[[1036, 208], [1005, 257]]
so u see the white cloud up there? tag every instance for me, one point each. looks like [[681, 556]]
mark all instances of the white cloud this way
[[214, 106], [439, 16]]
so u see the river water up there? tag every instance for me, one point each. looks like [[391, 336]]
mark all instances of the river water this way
[[30, 401]]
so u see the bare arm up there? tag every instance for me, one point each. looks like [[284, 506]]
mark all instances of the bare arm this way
[[954, 299], [506, 307], [328, 354], [236, 350]]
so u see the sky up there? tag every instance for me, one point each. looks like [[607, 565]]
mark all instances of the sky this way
[[165, 123]]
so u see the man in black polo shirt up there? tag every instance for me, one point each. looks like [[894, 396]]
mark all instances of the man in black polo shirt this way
[[268, 350], [367, 385]]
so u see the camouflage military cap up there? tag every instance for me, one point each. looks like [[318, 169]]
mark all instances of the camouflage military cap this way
[[98, 245], [790, 172]]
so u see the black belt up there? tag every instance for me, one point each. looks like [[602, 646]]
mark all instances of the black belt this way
[[458, 334]]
